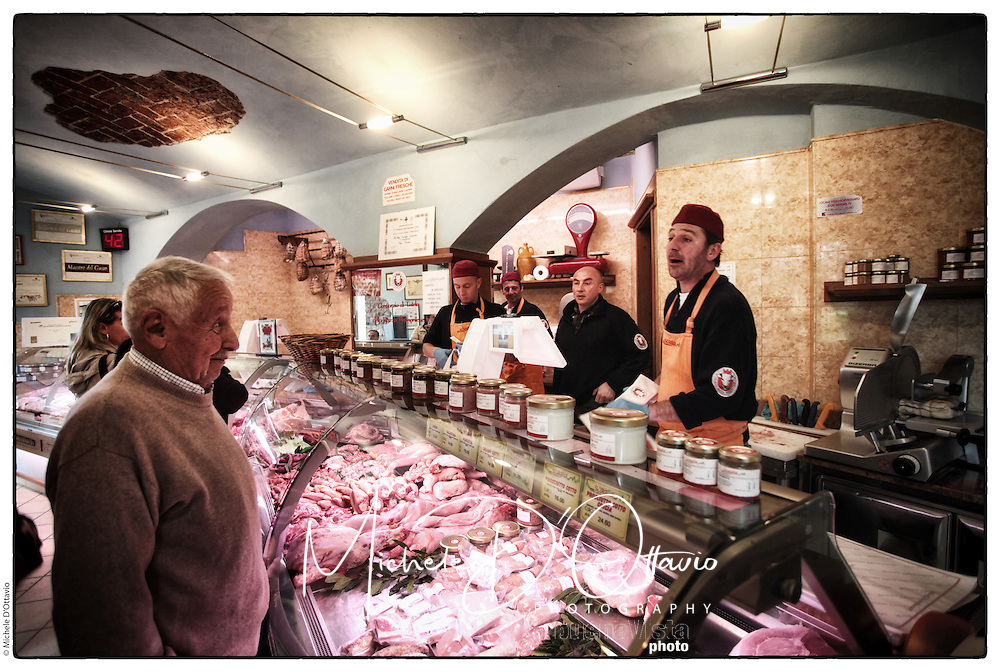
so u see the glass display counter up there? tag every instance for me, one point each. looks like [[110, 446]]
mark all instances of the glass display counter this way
[[406, 529]]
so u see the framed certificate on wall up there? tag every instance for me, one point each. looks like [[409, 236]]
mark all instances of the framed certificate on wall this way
[[58, 227], [86, 266], [29, 290]]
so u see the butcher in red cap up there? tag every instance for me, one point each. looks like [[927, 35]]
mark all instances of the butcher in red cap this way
[[708, 371], [514, 371], [446, 334]]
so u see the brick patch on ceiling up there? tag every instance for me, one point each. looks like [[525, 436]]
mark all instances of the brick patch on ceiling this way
[[163, 109]]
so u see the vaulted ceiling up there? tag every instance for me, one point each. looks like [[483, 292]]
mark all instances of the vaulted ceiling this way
[[254, 99]]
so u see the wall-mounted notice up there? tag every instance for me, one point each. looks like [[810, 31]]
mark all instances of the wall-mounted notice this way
[[409, 233], [838, 205], [436, 288], [399, 189], [48, 331]]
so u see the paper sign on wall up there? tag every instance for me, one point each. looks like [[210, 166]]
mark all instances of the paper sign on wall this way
[[399, 189]]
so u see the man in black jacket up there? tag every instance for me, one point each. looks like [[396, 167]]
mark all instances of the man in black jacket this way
[[603, 347]]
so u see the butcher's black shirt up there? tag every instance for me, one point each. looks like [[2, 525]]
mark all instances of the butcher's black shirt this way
[[604, 346], [725, 336], [439, 333]]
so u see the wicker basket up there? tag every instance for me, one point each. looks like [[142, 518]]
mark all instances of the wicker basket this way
[[305, 348]]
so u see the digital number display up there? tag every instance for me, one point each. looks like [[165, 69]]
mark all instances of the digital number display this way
[[113, 240]]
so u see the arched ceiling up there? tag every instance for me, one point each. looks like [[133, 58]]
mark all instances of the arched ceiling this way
[[452, 74]]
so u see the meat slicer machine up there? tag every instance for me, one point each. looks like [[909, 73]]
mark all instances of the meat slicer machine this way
[[897, 420]]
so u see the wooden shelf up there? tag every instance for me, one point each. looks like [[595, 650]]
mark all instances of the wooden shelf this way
[[957, 289], [608, 280], [443, 256]]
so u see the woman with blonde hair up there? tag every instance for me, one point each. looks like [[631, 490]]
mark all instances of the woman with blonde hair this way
[[93, 351]]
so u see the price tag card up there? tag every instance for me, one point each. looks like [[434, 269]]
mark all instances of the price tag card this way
[[434, 430], [468, 445], [491, 451], [560, 487], [603, 509], [520, 469], [451, 435]]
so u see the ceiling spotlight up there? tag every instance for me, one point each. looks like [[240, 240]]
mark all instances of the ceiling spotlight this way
[[380, 122], [194, 177], [87, 208]]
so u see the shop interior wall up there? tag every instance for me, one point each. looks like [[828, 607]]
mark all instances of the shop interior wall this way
[[923, 186], [266, 286], [544, 229]]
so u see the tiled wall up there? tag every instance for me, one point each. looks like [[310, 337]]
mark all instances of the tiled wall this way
[[544, 229], [922, 185]]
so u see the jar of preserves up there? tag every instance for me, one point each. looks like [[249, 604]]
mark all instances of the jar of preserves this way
[[974, 270], [401, 377], [879, 265], [878, 277], [516, 407], [488, 396], [505, 529], [550, 416], [977, 253], [365, 364], [618, 435], [480, 537], [462, 393], [344, 365], [504, 389], [892, 277], [976, 236], [863, 278], [422, 382], [355, 356], [386, 371], [453, 545], [863, 266], [326, 359], [952, 272], [952, 255], [670, 445], [739, 471], [529, 514], [701, 461], [442, 379]]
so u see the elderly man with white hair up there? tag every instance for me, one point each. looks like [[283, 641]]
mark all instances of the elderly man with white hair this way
[[157, 535]]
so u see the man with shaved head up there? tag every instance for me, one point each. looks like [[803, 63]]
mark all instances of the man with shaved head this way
[[603, 347]]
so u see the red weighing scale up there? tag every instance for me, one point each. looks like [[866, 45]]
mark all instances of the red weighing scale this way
[[580, 220]]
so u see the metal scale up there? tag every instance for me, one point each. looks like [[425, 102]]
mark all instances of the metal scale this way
[[874, 434]]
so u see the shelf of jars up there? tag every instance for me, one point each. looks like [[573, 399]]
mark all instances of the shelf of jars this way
[[936, 289]]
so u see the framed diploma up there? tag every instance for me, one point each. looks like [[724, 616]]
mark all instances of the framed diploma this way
[[58, 227], [86, 266], [29, 290], [409, 233]]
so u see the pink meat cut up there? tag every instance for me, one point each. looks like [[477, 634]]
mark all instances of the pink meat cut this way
[[620, 580], [333, 546]]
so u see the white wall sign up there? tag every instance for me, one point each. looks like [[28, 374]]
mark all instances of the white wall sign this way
[[399, 189], [409, 233], [838, 205], [47, 331], [436, 286]]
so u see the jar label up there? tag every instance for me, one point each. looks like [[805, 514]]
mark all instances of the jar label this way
[[485, 401], [978, 255], [949, 275], [538, 425], [739, 482], [397, 380], [670, 460], [512, 413], [974, 273], [419, 386], [441, 388], [699, 470], [603, 446], [954, 257], [455, 399]]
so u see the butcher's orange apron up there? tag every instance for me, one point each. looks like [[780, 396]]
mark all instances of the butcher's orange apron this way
[[676, 376], [514, 371], [459, 330]]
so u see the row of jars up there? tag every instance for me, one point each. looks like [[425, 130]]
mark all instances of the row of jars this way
[[734, 470], [891, 270], [963, 263], [547, 417]]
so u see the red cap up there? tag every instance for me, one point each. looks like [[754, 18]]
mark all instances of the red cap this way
[[464, 269], [700, 215], [507, 277]]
